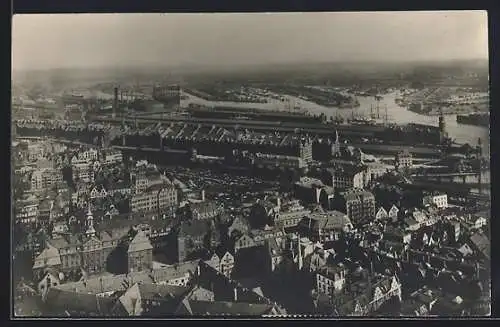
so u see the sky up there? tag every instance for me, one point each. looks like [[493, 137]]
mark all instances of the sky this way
[[216, 39]]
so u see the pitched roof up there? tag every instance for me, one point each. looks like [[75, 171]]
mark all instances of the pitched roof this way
[[140, 243], [58, 243], [205, 207], [174, 271], [49, 256], [482, 243], [149, 291], [58, 301], [220, 308], [105, 284]]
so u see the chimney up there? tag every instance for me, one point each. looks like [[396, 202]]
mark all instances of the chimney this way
[[235, 294], [115, 101]]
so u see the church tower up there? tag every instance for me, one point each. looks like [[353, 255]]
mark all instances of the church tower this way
[[90, 232]]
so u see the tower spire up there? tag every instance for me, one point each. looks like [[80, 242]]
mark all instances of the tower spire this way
[[90, 223]]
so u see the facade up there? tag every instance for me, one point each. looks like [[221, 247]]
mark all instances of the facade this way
[[345, 177], [160, 197], [359, 205], [325, 226], [45, 178], [381, 214], [113, 157], [438, 200], [169, 95], [403, 159], [331, 278], [290, 215], [140, 253], [26, 211], [360, 294], [205, 210], [305, 150], [83, 172]]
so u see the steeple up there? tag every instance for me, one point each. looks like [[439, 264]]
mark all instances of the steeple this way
[[90, 223]]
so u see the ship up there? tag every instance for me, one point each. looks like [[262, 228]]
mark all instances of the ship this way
[[474, 119]]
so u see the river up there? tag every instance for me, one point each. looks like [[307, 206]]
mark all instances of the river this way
[[396, 114]]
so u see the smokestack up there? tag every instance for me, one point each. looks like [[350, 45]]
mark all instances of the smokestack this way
[[202, 195], [235, 294], [115, 101]]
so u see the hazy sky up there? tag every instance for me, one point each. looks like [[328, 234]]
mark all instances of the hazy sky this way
[[95, 40]]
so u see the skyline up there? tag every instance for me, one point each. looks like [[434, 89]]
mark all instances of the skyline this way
[[237, 39]]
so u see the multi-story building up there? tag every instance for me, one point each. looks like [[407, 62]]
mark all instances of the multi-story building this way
[[169, 95], [359, 293], [68, 247], [290, 215], [305, 150], [323, 226], [44, 178], [90, 251], [140, 253], [358, 204], [89, 156], [345, 177], [159, 197], [222, 261], [113, 157], [439, 200], [403, 159], [83, 172], [191, 238], [331, 278], [26, 211]]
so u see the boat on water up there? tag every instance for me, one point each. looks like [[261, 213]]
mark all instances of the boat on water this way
[[478, 119]]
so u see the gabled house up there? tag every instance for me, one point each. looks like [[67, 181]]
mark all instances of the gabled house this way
[[51, 279], [393, 213], [48, 258], [152, 300], [381, 214]]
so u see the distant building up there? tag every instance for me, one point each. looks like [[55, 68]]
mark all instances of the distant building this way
[[331, 278], [113, 157], [359, 205], [290, 215], [159, 198], [169, 95], [359, 293], [325, 226], [438, 200], [204, 210], [345, 177], [26, 211], [403, 159], [45, 178]]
